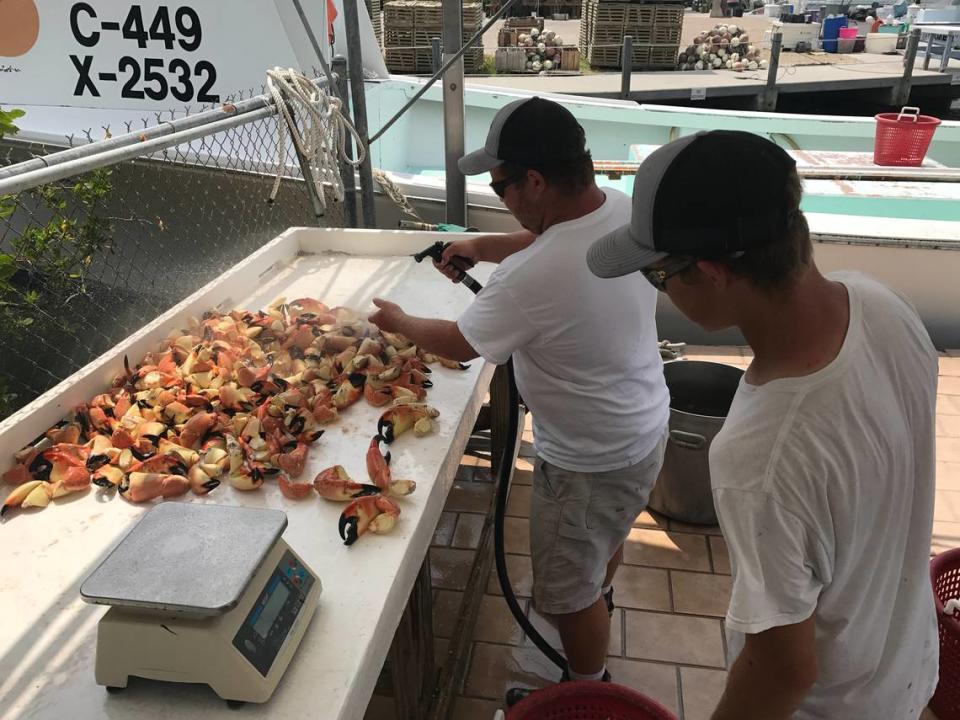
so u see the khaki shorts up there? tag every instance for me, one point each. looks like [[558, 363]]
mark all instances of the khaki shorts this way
[[577, 522]]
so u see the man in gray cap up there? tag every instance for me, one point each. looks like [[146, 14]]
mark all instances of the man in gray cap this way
[[823, 473], [586, 361]]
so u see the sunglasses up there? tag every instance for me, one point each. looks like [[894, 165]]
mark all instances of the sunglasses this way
[[658, 276], [500, 186]]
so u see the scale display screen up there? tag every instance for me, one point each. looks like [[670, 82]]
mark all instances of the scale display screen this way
[[271, 610], [269, 621]]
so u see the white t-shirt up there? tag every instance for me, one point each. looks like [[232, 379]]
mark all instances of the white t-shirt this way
[[824, 486], [584, 348]]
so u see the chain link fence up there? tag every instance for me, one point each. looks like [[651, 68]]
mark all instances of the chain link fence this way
[[90, 258]]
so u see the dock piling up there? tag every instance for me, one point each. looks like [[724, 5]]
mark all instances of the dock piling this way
[[900, 95], [435, 55], [767, 99], [626, 65]]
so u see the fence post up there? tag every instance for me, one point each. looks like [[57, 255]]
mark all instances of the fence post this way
[[355, 59], [626, 66], [346, 169], [453, 113], [767, 100], [901, 91], [436, 55]]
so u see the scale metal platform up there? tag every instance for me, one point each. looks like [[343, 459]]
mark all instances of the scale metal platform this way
[[202, 594]]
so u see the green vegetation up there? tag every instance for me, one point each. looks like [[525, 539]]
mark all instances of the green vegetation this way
[[489, 66], [44, 266]]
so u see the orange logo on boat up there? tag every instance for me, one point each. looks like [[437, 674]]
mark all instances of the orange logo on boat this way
[[19, 26]]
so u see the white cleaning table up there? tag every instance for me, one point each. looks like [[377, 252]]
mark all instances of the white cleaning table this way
[[47, 637]]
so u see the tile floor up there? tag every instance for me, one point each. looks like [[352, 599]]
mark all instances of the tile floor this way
[[672, 591]]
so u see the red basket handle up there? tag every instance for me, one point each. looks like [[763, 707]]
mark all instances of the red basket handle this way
[[914, 116]]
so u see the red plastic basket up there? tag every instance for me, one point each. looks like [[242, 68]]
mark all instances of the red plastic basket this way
[[588, 700], [903, 138], [945, 575]]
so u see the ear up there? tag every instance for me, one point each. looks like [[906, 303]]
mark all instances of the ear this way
[[536, 181], [716, 273]]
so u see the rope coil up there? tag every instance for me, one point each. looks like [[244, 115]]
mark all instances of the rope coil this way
[[322, 141]]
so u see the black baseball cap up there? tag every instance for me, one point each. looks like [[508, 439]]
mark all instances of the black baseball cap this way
[[674, 214], [531, 132]]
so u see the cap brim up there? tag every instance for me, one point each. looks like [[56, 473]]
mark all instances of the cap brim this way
[[479, 161], [618, 253]]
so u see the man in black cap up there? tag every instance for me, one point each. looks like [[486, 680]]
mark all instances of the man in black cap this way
[[586, 360], [823, 473]]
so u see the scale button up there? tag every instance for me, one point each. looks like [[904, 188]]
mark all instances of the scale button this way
[[249, 646], [296, 581]]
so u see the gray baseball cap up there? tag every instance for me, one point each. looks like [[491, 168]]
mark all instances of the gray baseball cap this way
[[673, 215], [532, 132]]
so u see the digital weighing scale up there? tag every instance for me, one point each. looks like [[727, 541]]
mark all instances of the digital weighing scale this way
[[202, 594]]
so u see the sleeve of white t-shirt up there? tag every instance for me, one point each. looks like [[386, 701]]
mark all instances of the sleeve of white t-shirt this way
[[778, 561], [495, 325]]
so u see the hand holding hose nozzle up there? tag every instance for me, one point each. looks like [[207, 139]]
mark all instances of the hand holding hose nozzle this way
[[435, 251]]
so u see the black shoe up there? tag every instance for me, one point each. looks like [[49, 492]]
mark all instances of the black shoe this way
[[516, 694], [608, 598]]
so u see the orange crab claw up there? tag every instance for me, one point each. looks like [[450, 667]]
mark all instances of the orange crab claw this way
[[141, 487], [401, 418], [335, 484], [294, 490], [372, 513]]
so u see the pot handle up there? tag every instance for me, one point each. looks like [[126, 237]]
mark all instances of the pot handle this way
[[690, 441]]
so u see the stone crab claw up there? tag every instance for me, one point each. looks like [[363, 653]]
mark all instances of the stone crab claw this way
[[400, 418], [335, 484], [371, 513], [349, 391], [141, 487], [294, 490], [378, 468]]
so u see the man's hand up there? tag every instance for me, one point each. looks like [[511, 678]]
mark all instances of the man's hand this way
[[389, 317], [451, 267]]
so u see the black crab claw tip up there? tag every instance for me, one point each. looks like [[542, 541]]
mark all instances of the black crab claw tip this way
[[426, 369], [357, 379], [269, 471], [141, 456], [348, 530], [365, 490], [178, 469], [95, 462], [464, 366], [280, 382], [211, 485], [427, 384], [385, 430], [316, 435], [126, 365], [104, 483]]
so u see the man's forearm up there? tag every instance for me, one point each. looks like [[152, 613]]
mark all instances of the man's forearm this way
[[441, 337], [761, 691], [496, 248]]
